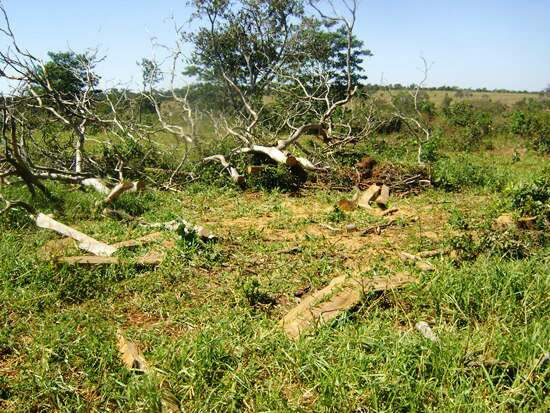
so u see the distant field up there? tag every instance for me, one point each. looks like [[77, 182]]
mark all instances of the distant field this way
[[506, 98]]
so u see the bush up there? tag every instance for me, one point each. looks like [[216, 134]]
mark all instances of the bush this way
[[534, 125], [453, 174], [279, 177], [532, 199]]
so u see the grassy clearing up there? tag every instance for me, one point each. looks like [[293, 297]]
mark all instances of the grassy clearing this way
[[207, 317]]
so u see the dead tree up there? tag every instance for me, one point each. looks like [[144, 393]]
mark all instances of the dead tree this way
[[35, 102], [415, 119]]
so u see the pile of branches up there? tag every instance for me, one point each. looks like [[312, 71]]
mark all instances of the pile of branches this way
[[403, 179]]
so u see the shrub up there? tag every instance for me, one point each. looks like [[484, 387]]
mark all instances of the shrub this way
[[453, 174], [279, 177], [534, 125], [532, 198]]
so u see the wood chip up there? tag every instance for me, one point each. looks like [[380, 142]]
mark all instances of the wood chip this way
[[424, 266], [132, 358], [346, 205], [504, 222], [426, 331], [340, 295]]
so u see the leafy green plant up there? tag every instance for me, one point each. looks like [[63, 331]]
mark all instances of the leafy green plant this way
[[280, 177], [533, 198], [336, 215], [254, 294]]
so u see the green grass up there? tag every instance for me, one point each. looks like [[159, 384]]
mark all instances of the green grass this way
[[207, 318]]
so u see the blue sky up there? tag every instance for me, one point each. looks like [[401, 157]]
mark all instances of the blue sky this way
[[484, 43]]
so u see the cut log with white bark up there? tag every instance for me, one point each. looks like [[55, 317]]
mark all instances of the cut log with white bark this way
[[340, 295], [85, 242], [281, 157], [384, 197], [367, 196]]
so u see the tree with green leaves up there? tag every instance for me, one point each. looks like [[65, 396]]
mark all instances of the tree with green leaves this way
[[68, 73]]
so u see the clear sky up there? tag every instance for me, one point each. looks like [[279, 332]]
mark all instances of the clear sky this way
[[484, 43]]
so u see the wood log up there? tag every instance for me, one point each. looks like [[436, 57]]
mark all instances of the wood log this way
[[384, 197], [367, 196], [150, 259], [86, 242]]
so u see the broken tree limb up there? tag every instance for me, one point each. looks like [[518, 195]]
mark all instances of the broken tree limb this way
[[85, 242], [430, 254], [121, 187], [384, 197], [389, 211], [421, 265], [235, 175], [281, 157], [340, 295], [377, 229], [96, 184]]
